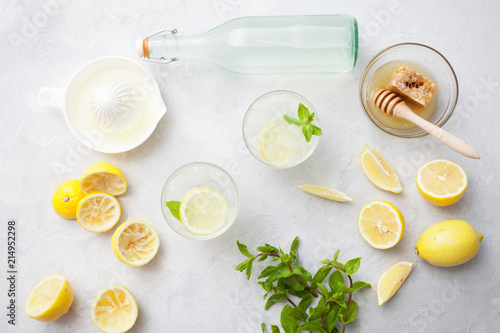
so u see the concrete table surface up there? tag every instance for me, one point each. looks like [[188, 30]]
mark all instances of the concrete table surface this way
[[192, 286]]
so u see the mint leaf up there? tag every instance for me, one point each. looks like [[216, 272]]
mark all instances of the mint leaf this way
[[263, 326], [275, 329], [288, 322], [307, 131], [293, 249], [242, 266], [311, 327], [292, 120], [298, 313], [244, 250], [322, 273], [267, 271], [332, 317], [249, 268], [309, 119], [274, 299], [174, 206], [316, 130], [292, 283], [278, 274], [303, 112], [305, 302], [350, 315], [352, 266], [336, 256], [336, 279], [267, 249], [360, 285]]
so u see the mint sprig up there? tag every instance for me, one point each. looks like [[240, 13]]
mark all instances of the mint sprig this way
[[287, 281], [304, 121]]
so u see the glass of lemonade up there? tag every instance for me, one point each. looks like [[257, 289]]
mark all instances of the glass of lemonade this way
[[206, 197], [271, 139]]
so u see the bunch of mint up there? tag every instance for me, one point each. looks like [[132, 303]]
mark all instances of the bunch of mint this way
[[287, 281]]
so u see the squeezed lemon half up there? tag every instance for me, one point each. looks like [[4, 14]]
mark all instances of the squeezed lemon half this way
[[381, 224], [49, 299], [114, 310], [135, 242], [441, 182], [203, 210], [98, 212], [379, 170], [391, 280], [103, 177]]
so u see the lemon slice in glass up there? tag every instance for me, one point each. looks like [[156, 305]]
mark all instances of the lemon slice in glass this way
[[381, 224], [441, 182], [280, 143], [103, 177], [135, 242], [203, 210], [98, 212], [325, 192], [49, 299], [114, 310], [379, 171], [391, 280]]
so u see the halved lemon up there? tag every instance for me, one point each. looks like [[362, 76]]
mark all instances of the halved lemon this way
[[49, 299], [279, 143], [98, 212], [203, 210], [325, 192], [391, 280], [103, 177], [114, 310], [379, 170], [441, 182], [381, 224], [135, 242]]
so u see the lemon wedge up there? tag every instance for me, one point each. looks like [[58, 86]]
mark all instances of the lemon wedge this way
[[203, 210], [135, 242], [441, 182], [114, 310], [279, 143], [49, 299], [98, 212], [379, 171], [381, 224], [103, 177], [391, 280], [325, 192], [66, 198]]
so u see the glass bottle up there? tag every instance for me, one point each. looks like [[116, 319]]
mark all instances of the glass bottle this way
[[264, 45]]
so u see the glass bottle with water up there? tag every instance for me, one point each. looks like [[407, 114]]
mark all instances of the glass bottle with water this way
[[264, 45]]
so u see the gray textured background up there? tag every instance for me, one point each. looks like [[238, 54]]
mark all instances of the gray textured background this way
[[192, 286]]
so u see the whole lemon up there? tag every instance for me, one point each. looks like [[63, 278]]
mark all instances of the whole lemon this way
[[448, 243], [66, 198]]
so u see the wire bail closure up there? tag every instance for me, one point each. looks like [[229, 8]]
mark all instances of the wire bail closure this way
[[162, 60]]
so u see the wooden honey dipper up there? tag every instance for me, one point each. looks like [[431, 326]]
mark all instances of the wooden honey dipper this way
[[390, 103]]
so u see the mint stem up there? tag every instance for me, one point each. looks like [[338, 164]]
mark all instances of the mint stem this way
[[289, 300]]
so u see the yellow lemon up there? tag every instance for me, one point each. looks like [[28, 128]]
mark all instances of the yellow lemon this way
[[103, 177], [441, 182], [325, 192], [66, 197], [448, 243], [379, 171], [381, 224], [135, 242], [114, 310], [391, 280], [98, 212], [203, 210], [49, 299]]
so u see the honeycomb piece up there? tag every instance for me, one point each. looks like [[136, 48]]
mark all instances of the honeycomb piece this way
[[416, 89]]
